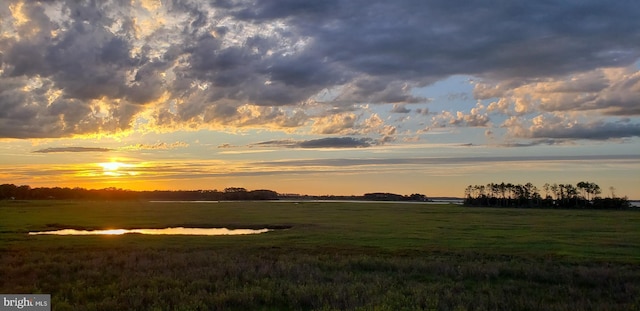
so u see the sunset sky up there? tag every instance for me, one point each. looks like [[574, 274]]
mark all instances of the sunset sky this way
[[320, 97]]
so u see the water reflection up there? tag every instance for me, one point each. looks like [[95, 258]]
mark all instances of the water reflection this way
[[165, 231]]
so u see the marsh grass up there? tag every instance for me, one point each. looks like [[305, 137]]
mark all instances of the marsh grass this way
[[341, 256]]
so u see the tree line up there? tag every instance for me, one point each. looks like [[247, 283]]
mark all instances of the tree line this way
[[13, 192], [583, 195], [24, 192]]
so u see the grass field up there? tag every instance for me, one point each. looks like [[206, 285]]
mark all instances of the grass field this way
[[360, 256]]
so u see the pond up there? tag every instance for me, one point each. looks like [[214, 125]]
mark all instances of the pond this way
[[165, 231]]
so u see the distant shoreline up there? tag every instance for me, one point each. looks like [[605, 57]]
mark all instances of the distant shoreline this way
[[430, 202]]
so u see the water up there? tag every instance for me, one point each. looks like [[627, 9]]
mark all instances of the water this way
[[434, 202], [165, 231]]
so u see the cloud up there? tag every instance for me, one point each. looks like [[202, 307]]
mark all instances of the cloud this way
[[72, 68], [349, 162], [156, 146], [598, 130], [329, 142], [71, 149], [343, 123], [422, 111], [554, 128], [336, 142], [401, 109], [476, 118], [511, 39], [534, 143], [608, 91]]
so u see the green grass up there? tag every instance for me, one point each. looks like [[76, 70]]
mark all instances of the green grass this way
[[368, 256]]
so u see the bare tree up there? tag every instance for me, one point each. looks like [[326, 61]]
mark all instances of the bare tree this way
[[613, 192]]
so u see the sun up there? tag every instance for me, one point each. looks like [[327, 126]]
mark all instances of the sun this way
[[115, 168], [111, 166]]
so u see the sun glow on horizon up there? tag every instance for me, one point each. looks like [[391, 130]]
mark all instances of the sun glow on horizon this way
[[112, 231], [116, 169]]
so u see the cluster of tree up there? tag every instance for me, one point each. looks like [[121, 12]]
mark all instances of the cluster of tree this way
[[582, 195], [13, 192]]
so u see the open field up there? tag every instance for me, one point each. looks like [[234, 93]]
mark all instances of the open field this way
[[381, 256]]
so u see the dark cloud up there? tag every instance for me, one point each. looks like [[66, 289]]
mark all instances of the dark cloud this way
[[95, 66], [336, 142], [416, 40], [277, 143], [422, 111], [89, 62], [593, 131], [401, 109], [71, 149], [537, 142], [296, 9], [329, 142]]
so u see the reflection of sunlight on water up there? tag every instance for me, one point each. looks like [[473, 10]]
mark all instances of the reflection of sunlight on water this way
[[165, 231]]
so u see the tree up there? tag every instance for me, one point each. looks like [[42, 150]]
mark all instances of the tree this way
[[531, 192], [613, 192], [595, 190], [546, 188], [584, 188], [234, 189], [23, 192], [510, 190], [572, 193], [556, 191], [8, 191], [589, 189]]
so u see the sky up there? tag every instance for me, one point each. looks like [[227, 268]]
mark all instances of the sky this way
[[320, 97]]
